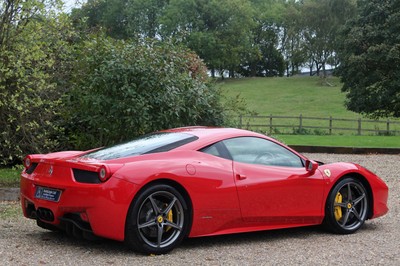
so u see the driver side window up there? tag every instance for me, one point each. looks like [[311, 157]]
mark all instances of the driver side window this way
[[253, 150]]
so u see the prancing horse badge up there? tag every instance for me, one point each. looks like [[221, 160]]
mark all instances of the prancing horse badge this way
[[50, 170], [327, 172]]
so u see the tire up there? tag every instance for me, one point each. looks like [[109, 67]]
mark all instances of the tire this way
[[158, 220], [346, 207]]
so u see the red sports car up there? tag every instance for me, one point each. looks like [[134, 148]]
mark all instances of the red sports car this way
[[157, 189]]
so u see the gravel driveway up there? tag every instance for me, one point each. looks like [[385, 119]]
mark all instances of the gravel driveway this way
[[377, 243]]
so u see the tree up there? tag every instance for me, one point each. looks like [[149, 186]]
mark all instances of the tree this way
[[321, 21], [217, 30], [261, 56], [107, 15], [370, 59], [143, 17], [122, 89], [310, 32], [122, 19], [34, 59], [291, 38]]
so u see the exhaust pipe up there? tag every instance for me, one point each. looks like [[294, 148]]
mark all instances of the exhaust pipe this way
[[45, 214]]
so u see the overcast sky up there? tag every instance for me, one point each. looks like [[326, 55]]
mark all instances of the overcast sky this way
[[69, 4]]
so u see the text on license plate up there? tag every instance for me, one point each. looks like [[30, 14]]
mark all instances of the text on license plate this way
[[48, 194]]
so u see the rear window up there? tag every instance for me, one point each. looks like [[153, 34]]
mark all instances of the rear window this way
[[151, 143]]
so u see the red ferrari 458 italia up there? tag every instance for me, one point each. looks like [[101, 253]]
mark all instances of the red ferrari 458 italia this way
[[157, 189]]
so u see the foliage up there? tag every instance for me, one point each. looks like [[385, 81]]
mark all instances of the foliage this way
[[249, 37], [122, 89], [106, 15], [228, 35], [144, 17], [34, 62], [291, 41], [122, 19], [262, 58], [311, 31], [321, 22], [59, 83], [217, 30], [370, 56]]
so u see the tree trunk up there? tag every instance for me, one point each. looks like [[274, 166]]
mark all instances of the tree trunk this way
[[253, 69], [323, 69], [287, 70], [231, 73], [213, 72], [318, 68]]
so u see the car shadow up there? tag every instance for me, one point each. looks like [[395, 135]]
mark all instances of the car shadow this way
[[259, 236], [110, 246]]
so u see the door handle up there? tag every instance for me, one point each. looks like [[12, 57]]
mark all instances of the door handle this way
[[241, 177]]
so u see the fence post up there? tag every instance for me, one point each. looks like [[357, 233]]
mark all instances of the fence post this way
[[359, 126], [301, 123], [388, 127], [270, 124], [330, 125], [240, 121]]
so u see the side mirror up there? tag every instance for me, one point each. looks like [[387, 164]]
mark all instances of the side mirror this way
[[311, 166]]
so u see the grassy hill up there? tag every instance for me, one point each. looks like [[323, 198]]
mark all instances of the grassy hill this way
[[291, 96], [310, 97]]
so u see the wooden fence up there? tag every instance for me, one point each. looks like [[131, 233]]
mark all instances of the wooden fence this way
[[317, 125]]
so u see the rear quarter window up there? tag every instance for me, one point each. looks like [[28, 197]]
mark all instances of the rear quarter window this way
[[150, 143]]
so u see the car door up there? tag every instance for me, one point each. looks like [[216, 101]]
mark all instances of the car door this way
[[273, 185]]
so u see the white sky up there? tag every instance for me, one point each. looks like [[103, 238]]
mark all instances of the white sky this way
[[69, 4]]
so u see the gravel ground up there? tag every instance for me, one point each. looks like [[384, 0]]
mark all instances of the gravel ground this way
[[377, 243]]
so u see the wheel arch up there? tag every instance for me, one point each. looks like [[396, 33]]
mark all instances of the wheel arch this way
[[172, 183], [365, 183]]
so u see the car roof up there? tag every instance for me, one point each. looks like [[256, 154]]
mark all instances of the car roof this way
[[206, 132], [208, 135]]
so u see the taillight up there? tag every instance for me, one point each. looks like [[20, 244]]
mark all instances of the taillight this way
[[27, 161], [104, 173]]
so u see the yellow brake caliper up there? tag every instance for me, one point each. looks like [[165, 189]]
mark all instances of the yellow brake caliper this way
[[338, 209], [170, 216]]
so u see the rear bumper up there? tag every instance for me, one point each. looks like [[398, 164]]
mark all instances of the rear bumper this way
[[102, 207]]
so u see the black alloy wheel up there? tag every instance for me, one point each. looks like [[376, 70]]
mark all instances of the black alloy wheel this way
[[347, 206], [158, 220]]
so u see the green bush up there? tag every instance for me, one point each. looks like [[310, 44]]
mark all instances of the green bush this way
[[122, 89], [34, 56]]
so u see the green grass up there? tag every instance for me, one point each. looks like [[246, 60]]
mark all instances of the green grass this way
[[341, 141], [308, 96], [9, 177], [10, 210], [290, 96]]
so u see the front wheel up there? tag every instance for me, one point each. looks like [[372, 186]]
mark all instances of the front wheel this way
[[158, 220], [347, 206]]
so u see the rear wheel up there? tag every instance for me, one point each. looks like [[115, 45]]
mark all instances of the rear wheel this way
[[347, 206], [158, 220]]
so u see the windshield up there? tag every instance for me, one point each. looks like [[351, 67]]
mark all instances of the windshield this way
[[151, 143]]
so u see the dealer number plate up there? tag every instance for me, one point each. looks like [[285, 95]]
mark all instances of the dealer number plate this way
[[48, 194]]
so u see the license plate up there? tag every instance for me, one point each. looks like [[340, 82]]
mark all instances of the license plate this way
[[48, 194]]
